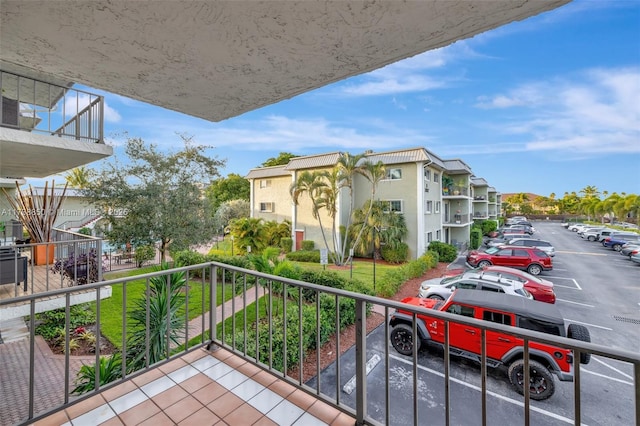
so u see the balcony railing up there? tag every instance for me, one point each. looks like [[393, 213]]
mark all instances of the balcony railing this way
[[41, 107], [240, 335], [456, 219]]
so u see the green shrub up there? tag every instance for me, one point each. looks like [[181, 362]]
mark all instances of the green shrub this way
[[286, 244], [397, 253], [84, 231], [307, 245], [488, 226], [110, 369], [144, 254], [304, 256], [51, 324], [390, 282], [475, 238], [446, 252], [432, 258]]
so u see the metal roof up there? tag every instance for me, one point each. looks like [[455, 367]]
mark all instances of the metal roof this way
[[456, 165], [263, 172], [314, 161]]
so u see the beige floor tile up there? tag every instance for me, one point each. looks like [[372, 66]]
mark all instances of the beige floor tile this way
[[265, 421], [196, 382], [302, 399], [58, 418], [158, 419], [171, 366], [282, 388], [118, 391], [264, 378], [139, 413], [170, 397], [114, 421], [147, 377], [243, 415], [323, 411], [183, 408], [224, 405], [209, 393], [78, 409], [344, 420], [202, 417]]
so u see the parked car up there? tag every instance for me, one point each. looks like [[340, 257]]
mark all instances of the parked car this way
[[635, 258], [526, 228], [592, 234], [539, 288], [441, 288], [515, 219], [500, 349], [506, 235], [630, 248], [616, 241], [532, 260], [607, 232], [504, 239], [575, 227], [543, 245]]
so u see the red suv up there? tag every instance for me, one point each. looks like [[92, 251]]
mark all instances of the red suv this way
[[501, 348], [530, 259]]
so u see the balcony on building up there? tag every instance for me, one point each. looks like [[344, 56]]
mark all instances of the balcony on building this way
[[46, 126]]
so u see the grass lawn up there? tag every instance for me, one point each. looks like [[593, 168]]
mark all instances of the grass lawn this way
[[362, 269], [111, 308]]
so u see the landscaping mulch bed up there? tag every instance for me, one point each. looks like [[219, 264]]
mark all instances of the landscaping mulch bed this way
[[348, 335]]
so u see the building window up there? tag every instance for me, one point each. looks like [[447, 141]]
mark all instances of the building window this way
[[392, 206], [393, 174], [438, 236], [437, 206], [429, 207], [429, 237], [265, 183], [266, 207], [436, 177], [427, 175]]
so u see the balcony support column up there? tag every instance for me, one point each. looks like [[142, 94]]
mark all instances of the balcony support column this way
[[361, 361]]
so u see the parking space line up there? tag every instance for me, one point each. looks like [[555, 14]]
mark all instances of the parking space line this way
[[497, 395], [575, 303], [584, 370], [628, 376], [590, 325], [571, 279]]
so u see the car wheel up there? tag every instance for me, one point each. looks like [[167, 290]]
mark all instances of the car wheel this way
[[617, 247], [541, 385], [484, 264], [580, 332], [591, 238], [534, 269], [402, 339], [435, 297]]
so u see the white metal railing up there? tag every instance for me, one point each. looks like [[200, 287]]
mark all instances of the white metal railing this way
[[237, 336], [41, 107]]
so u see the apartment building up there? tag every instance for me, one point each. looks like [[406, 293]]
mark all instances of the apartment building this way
[[440, 199]]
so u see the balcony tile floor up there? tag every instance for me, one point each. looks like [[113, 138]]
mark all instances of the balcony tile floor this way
[[201, 388]]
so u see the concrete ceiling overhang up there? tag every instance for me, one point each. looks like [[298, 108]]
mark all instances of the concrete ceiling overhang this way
[[219, 59]]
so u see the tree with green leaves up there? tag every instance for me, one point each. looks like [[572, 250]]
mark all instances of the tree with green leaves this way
[[248, 232], [228, 211], [79, 177], [281, 160], [233, 187], [155, 197], [312, 184]]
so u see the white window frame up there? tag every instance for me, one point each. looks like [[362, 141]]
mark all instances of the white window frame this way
[[267, 207], [427, 175], [390, 175], [388, 203], [265, 183], [436, 177], [437, 207], [428, 207], [429, 237]]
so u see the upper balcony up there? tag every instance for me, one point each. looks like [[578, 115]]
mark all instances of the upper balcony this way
[[48, 128]]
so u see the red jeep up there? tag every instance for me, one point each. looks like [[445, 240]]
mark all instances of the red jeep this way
[[501, 348]]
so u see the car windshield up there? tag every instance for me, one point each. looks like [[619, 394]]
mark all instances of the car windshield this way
[[450, 279], [492, 250]]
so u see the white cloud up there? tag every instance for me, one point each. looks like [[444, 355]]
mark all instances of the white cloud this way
[[588, 113]]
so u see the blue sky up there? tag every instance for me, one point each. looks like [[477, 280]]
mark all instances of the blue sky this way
[[547, 105]]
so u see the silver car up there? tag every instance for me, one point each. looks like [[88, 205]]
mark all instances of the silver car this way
[[441, 288], [543, 245]]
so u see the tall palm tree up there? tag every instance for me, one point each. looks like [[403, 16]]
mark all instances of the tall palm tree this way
[[374, 173], [349, 166], [312, 184], [79, 177]]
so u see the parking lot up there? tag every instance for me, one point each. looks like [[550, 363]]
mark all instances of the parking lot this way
[[595, 286]]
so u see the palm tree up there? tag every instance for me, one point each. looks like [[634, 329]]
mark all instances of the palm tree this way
[[313, 184], [80, 177], [349, 166], [374, 173]]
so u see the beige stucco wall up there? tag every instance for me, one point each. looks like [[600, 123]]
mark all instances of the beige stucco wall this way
[[277, 193]]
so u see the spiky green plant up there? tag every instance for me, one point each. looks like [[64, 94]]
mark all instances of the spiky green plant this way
[[110, 369], [166, 319]]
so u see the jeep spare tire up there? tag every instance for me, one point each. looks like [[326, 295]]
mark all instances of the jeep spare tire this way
[[402, 339], [580, 332], [541, 385]]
